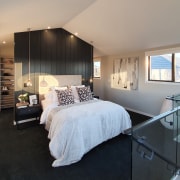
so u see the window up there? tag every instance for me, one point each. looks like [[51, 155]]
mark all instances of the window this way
[[160, 67], [164, 67], [97, 68], [177, 65]]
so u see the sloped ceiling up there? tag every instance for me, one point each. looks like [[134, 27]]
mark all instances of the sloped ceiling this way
[[112, 26]]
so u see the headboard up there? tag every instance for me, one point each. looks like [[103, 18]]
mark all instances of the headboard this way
[[56, 80]]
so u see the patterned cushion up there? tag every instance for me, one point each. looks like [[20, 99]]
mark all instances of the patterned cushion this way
[[84, 93], [65, 97], [75, 93]]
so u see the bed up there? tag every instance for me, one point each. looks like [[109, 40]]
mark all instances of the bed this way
[[81, 123]]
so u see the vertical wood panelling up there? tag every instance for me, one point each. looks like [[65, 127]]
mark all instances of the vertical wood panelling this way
[[35, 52], [44, 52], [54, 52], [21, 50], [35, 58], [21, 46]]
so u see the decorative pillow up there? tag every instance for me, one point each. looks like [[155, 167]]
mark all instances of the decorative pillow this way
[[65, 97], [84, 93], [75, 93]]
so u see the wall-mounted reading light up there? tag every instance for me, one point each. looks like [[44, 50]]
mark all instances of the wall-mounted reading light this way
[[91, 80]]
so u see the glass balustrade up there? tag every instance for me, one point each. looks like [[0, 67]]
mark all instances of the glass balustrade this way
[[156, 146]]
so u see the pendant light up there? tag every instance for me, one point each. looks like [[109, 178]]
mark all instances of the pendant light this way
[[29, 82], [92, 47], [43, 83]]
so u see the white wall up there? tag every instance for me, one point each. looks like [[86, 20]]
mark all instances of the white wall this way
[[147, 99]]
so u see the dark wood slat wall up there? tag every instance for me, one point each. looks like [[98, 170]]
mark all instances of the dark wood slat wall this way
[[54, 52]]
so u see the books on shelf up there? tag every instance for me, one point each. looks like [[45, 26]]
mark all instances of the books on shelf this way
[[22, 105]]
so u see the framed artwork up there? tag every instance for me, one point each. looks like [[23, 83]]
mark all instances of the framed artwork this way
[[33, 99], [125, 73]]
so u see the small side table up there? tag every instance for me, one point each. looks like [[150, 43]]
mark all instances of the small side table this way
[[27, 114]]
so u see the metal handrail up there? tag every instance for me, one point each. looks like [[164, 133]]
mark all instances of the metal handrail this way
[[142, 142], [151, 120], [173, 97], [145, 149]]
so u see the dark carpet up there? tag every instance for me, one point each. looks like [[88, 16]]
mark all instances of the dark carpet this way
[[24, 155]]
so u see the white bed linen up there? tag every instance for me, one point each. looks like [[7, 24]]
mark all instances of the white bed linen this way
[[77, 129]]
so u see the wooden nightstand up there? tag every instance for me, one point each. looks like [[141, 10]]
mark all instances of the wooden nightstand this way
[[27, 114]]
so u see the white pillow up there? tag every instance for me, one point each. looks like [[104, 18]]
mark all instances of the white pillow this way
[[60, 88], [52, 95], [49, 96], [75, 93]]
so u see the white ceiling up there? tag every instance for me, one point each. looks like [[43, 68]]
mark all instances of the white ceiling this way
[[114, 26]]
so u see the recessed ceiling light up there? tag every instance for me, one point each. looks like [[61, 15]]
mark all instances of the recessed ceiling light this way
[[4, 42], [76, 34], [49, 27]]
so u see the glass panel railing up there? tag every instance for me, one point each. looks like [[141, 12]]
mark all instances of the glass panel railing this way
[[156, 147], [175, 100], [176, 126]]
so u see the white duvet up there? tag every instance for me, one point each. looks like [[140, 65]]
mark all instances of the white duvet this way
[[77, 129]]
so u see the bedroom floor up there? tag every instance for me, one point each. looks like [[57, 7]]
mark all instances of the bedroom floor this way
[[24, 154]]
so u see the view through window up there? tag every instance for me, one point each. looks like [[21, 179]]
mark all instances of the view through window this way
[[165, 67], [97, 68]]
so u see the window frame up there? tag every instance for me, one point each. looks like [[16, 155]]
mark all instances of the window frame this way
[[97, 60], [172, 51]]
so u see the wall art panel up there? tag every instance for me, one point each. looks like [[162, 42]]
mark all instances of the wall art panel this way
[[125, 73]]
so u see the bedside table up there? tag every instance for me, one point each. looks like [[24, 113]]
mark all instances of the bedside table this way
[[27, 114]]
